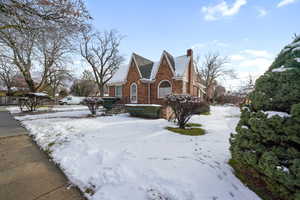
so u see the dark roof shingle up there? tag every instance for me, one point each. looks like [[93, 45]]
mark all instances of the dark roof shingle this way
[[145, 65]]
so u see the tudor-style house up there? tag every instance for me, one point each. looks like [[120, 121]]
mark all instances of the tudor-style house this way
[[146, 82]]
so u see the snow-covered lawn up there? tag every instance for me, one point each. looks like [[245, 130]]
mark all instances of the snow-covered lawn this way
[[15, 109], [125, 158]]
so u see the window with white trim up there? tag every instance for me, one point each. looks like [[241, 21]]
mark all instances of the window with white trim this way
[[164, 89], [133, 93], [118, 91]]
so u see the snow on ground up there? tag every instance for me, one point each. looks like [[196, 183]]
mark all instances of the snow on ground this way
[[15, 109], [63, 114], [121, 157]]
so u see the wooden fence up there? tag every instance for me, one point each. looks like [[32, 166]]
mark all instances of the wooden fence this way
[[6, 100]]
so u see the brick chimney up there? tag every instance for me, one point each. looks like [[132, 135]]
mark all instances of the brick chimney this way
[[189, 52]]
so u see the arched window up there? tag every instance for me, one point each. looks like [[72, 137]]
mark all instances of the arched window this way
[[133, 93], [164, 89]]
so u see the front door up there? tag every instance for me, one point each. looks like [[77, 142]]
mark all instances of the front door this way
[[133, 93]]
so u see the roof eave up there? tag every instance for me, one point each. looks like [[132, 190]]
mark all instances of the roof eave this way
[[144, 80], [178, 78], [116, 83]]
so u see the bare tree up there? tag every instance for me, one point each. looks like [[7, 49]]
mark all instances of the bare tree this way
[[7, 73], [213, 68], [43, 51], [88, 75], [248, 86], [54, 51], [36, 14], [35, 33], [58, 79], [85, 86], [21, 51], [101, 52]]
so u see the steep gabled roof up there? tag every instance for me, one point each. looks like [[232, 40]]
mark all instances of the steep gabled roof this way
[[148, 69], [170, 58], [140, 60], [181, 64], [144, 65]]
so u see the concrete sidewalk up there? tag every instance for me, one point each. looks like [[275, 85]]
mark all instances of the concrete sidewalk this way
[[25, 171]]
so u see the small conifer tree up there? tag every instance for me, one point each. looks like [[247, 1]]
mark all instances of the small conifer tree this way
[[268, 134]]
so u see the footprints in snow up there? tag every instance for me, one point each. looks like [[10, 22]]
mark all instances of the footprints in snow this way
[[205, 158], [157, 158], [235, 187]]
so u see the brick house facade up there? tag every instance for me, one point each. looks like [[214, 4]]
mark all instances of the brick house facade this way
[[146, 82]]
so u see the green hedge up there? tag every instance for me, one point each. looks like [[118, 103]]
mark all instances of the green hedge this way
[[108, 102], [144, 110]]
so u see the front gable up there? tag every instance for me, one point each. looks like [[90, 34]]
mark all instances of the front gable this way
[[133, 73], [164, 68]]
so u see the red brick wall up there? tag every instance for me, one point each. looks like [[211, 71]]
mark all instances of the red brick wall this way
[[164, 73], [192, 77], [111, 91], [133, 77]]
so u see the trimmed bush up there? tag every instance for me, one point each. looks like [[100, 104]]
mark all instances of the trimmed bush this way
[[203, 108], [268, 133], [93, 103], [108, 102], [144, 110], [184, 107]]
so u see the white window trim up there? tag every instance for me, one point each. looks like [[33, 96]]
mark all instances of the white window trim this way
[[131, 93], [159, 87], [121, 90]]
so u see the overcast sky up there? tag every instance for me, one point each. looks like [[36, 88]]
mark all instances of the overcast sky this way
[[250, 32]]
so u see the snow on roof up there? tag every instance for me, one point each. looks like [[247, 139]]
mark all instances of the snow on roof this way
[[120, 75], [137, 105], [39, 94], [154, 70], [181, 63]]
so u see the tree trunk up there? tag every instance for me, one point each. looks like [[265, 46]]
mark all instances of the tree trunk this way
[[9, 91], [30, 82], [101, 90], [182, 125]]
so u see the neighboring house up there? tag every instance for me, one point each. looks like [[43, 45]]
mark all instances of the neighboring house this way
[[146, 82], [10, 100]]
